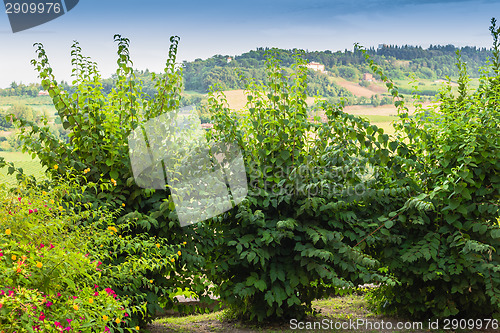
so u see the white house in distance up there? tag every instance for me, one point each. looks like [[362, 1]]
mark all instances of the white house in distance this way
[[43, 93], [316, 66]]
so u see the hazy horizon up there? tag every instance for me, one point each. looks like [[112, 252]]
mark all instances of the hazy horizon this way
[[228, 28]]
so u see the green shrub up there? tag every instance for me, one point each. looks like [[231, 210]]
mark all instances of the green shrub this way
[[98, 126], [46, 275], [315, 190], [445, 239]]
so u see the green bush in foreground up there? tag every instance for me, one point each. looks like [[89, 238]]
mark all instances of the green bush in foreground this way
[[445, 241], [98, 126], [75, 262], [48, 279], [315, 190]]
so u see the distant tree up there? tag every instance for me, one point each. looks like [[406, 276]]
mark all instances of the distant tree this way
[[23, 111]]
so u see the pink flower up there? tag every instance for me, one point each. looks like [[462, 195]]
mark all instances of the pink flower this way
[[30, 211], [19, 199], [36, 210], [69, 321], [57, 324], [49, 304], [42, 245], [96, 294], [58, 294], [42, 316], [51, 246], [126, 314], [106, 329], [99, 263]]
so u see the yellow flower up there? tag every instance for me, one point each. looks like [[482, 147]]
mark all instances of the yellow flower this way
[[123, 205], [117, 320], [86, 170], [150, 281], [112, 229], [8, 232], [157, 245], [101, 245], [51, 201], [44, 193], [56, 166], [137, 328], [39, 264], [13, 257], [184, 243], [105, 318], [60, 208], [91, 300], [172, 260], [75, 307], [179, 253]]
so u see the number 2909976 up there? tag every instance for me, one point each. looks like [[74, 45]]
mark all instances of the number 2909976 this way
[[32, 8]]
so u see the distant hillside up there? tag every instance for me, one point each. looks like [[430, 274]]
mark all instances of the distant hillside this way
[[345, 72], [434, 63]]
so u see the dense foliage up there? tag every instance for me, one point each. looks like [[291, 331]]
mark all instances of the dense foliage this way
[[315, 190], [444, 248], [50, 272], [98, 126]]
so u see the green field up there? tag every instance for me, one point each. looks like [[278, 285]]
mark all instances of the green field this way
[[40, 104], [21, 160]]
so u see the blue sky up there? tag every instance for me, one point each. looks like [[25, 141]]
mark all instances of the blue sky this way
[[225, 27]]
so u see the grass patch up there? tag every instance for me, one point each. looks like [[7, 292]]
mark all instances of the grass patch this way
[[345, 309]]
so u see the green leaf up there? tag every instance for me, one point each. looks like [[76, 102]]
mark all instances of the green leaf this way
[[261, 285], [114, 174]]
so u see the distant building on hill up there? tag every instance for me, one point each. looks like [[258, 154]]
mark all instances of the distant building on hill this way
[[316, 66], [368, 77], [43, 93], [229, 59]]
